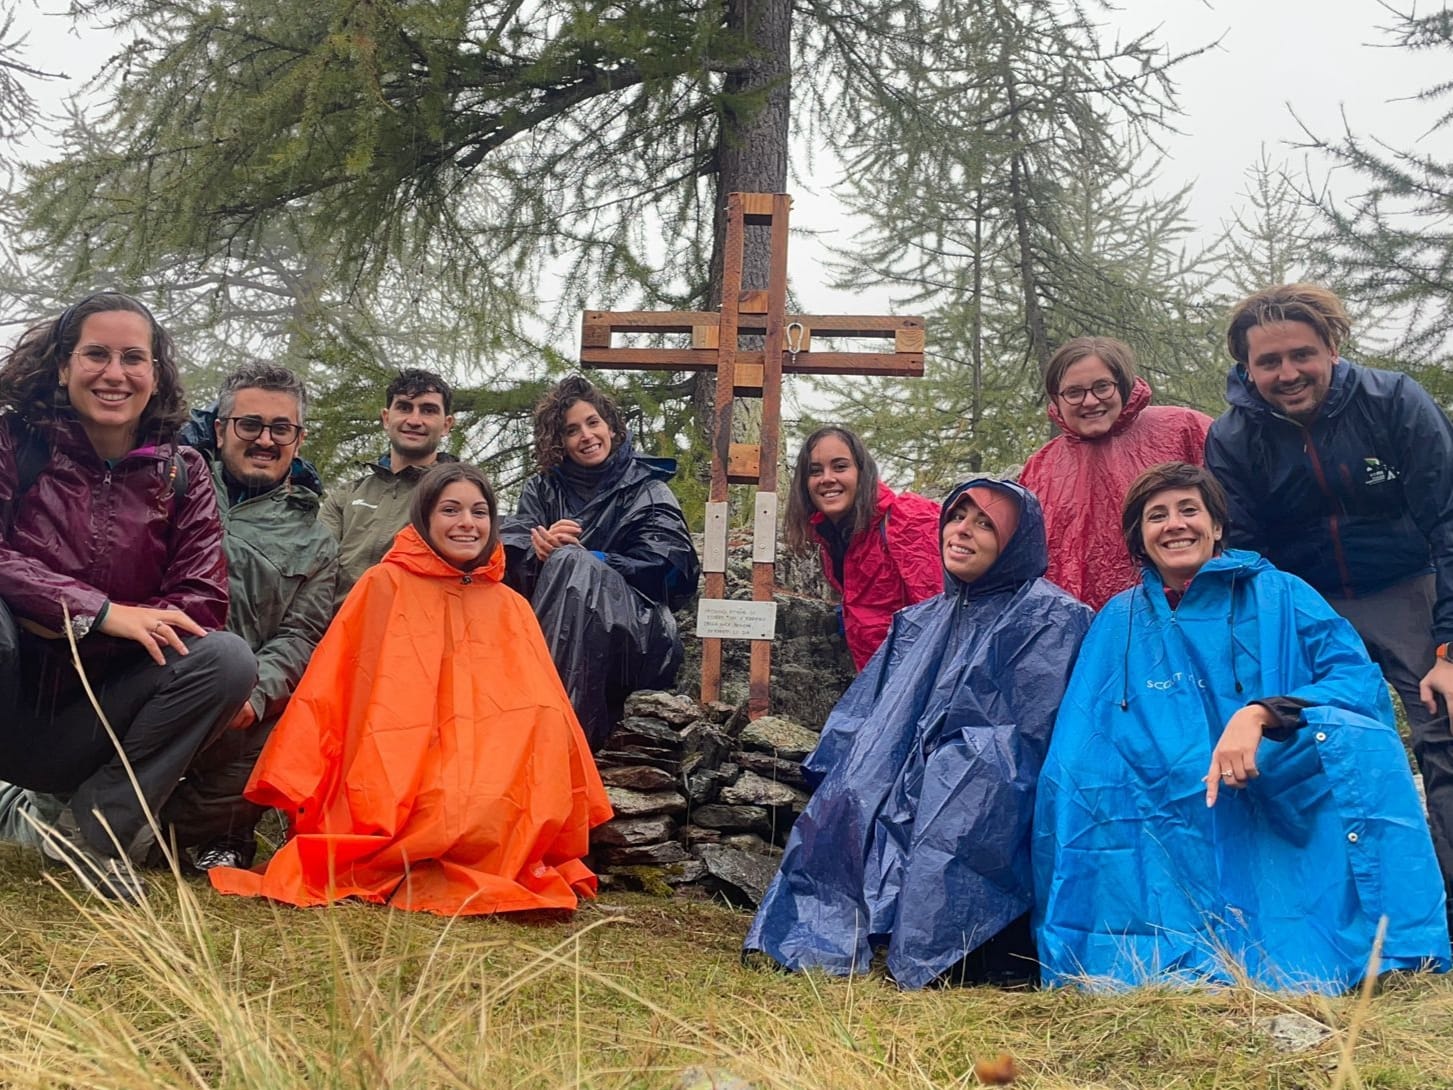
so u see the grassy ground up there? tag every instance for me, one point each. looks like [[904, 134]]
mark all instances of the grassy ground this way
[[205, 991]]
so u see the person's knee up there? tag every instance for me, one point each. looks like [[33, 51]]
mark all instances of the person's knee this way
[[229, 663], [568, 557]]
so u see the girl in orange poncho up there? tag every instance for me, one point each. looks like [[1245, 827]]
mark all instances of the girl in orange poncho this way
[[430, 758]]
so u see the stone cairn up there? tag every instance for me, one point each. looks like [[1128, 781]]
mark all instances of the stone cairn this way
[[704, 799]]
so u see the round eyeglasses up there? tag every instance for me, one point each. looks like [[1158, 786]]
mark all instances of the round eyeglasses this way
[[95, 358], [1075, 395]]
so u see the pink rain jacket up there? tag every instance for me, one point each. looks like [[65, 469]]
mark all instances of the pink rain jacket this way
[[1081, 484], [894, 563]]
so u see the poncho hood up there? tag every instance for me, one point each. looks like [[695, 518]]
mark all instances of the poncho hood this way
[[1024, 557], [1140, 397], [412, 553]]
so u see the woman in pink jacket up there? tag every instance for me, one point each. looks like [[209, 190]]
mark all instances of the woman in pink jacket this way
[[1111, 434], [879, 549]]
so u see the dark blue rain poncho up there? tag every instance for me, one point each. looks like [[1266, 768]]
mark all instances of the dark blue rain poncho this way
[[605, 605], [1137, 881], [918, 833]]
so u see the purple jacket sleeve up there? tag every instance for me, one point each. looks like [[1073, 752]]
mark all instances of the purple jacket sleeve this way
[[30, 588]]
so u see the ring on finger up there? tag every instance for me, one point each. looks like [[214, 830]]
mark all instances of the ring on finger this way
[[1227, 774]]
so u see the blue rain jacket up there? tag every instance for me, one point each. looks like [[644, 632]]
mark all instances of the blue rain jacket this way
[[918, 832], [1137, 881]]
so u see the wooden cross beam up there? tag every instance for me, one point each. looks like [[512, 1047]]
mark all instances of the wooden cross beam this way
[[715, 346]]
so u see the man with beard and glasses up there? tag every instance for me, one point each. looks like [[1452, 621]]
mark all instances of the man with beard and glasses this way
[[365, 515], [1343, 475], [282, 575]]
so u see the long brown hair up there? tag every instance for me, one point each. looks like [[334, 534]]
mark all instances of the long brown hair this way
[[800, 509], [30, 375], [426, 496]]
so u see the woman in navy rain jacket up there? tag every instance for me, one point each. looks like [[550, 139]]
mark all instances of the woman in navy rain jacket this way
[[917, 836], [600, 548], [1226, 793]]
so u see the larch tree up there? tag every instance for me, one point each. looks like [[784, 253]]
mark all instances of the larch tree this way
[[1019, 206], [1389, 241], [410, 160]]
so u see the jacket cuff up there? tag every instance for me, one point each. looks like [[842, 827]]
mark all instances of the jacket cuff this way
[[1287, 711], [83, 625]]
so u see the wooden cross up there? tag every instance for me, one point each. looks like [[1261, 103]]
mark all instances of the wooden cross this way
[[744, 373]]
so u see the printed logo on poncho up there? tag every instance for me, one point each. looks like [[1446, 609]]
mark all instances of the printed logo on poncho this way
[[1172, 681], [1378, 472]]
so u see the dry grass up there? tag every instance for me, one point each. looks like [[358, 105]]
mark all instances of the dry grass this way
[[199, 990]]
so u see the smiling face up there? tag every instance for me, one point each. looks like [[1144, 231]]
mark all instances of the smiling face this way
[[110, 377], [832, 477], [415, 425], [1102, 404], [459, 523], [1291, 367], [1179, 534], [970, 542], [263, 461], [587, 437]]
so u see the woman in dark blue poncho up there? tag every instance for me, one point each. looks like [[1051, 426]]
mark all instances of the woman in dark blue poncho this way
[[1226, 796], [917, 836], [600, 548]]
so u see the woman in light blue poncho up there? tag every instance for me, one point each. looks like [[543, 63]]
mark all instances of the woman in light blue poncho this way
[[1225, 792]]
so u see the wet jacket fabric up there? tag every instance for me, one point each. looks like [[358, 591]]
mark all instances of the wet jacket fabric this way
[[282, 570], [364, 516], [917, 834], [86, 533], [1358, 500], [1081, 484], [430, 759], [893, 563], [607, 619], [1137, 881]]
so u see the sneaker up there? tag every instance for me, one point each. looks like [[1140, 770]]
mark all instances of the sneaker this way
[[113, 879], [221, 853]]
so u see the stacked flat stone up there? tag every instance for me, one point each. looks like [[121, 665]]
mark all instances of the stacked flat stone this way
[[704, 800]]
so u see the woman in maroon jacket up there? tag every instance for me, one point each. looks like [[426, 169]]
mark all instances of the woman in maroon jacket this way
[[879, 548], [111, 531]]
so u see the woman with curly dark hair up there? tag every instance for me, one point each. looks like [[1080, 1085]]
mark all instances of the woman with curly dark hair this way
[[110, 537], [600, 548]]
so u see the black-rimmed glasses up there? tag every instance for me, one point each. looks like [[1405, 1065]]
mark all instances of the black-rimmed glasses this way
[[1075, 395], [249, 428]]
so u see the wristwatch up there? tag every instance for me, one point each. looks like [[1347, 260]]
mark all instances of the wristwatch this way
[[1441, 652]]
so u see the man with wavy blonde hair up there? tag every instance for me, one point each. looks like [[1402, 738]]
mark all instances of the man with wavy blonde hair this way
[[1343, 475]]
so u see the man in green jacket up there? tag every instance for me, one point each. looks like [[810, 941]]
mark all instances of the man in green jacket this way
[[364, 516], [282, 578]]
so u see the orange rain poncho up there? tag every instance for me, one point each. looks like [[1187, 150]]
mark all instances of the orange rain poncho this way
[[429, 759]]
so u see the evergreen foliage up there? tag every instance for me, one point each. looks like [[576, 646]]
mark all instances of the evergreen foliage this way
[[1391, 243], [1011, 197]]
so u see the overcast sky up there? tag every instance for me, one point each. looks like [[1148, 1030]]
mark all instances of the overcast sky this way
[[1319, 57]]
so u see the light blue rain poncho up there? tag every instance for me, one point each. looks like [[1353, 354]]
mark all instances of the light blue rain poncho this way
[[917, 835], [1137, 881]]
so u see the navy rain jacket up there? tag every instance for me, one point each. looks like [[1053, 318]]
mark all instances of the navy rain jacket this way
[[918, 833], [1357, 501]]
